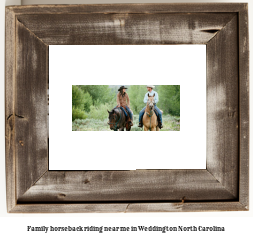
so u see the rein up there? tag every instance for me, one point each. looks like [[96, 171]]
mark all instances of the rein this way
[[150, 115], [116, 123]]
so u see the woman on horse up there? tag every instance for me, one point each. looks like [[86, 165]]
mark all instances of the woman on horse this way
[[123, 102]]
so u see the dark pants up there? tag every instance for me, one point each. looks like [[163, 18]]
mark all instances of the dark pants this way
[[158, 111]]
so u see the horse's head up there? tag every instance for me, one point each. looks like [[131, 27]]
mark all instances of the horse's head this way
[[151, 101], [113, 118]]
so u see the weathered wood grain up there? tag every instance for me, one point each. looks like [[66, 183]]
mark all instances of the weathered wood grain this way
[[129, 8], [139, 185], [244, 106], [10, 64], [120, 29], [223, 186], [70, 208], [223, 107], [129, 207], [186, 207], [30, 109]]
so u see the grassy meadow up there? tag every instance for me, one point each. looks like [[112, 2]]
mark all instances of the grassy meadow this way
[[170, 123]]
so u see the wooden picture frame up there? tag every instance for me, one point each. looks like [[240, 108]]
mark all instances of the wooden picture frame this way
[[222, 186]]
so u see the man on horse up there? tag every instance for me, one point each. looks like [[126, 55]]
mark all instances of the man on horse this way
[[123, 102], [157, 110]]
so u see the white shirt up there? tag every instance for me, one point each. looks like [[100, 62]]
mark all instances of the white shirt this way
[[151, 94]]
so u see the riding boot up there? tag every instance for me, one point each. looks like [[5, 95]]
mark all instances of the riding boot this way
[[140, 123], [160, 125], [141, 117], [130, 120]]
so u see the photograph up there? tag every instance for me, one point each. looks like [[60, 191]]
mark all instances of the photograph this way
[[126, 108], [127, 67]]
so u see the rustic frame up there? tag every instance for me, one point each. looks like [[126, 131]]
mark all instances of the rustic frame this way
[[223, 186]]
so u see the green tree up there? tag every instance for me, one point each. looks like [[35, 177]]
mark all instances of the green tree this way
[[78, 97], [136, 94], [78, 113], [100, 112], [169, 99], [87, 101], [99, 93], [78, 102], [114, 91]]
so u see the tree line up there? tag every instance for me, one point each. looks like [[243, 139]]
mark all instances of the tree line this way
[[92, 101]]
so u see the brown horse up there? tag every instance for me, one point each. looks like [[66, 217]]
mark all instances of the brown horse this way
[[150, 120], [118, 120]]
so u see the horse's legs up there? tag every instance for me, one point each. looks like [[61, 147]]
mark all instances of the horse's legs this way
[[128, 128], [153, 129], [121, 129], [157, 128], [145, 128]]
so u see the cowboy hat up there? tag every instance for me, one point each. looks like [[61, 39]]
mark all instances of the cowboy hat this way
[[150, 86], [122, 87]]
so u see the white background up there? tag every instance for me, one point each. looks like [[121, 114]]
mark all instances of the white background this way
[[238, 224], [183, 65]]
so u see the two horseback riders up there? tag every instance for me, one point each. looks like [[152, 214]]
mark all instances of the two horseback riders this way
[[122, 117]]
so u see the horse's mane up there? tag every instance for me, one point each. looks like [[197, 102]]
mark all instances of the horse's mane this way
[[120, 119], [115, 109]]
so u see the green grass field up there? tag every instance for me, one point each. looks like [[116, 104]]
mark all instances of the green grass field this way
[[170, 123]]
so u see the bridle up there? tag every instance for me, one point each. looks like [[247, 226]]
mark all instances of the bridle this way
[[150, 116], [115, 123]]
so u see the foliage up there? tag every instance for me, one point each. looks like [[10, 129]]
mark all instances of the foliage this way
[[136, 123], [92, 101], [169, 99], [78, 103], [100, 110], [78, 97], [99, 93], [114, 91], [90, 125], [170, 123], [136, 94], [77, 113], [87, 101]]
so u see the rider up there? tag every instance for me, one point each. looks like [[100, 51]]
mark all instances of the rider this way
[[151, 92], [124, 102]]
